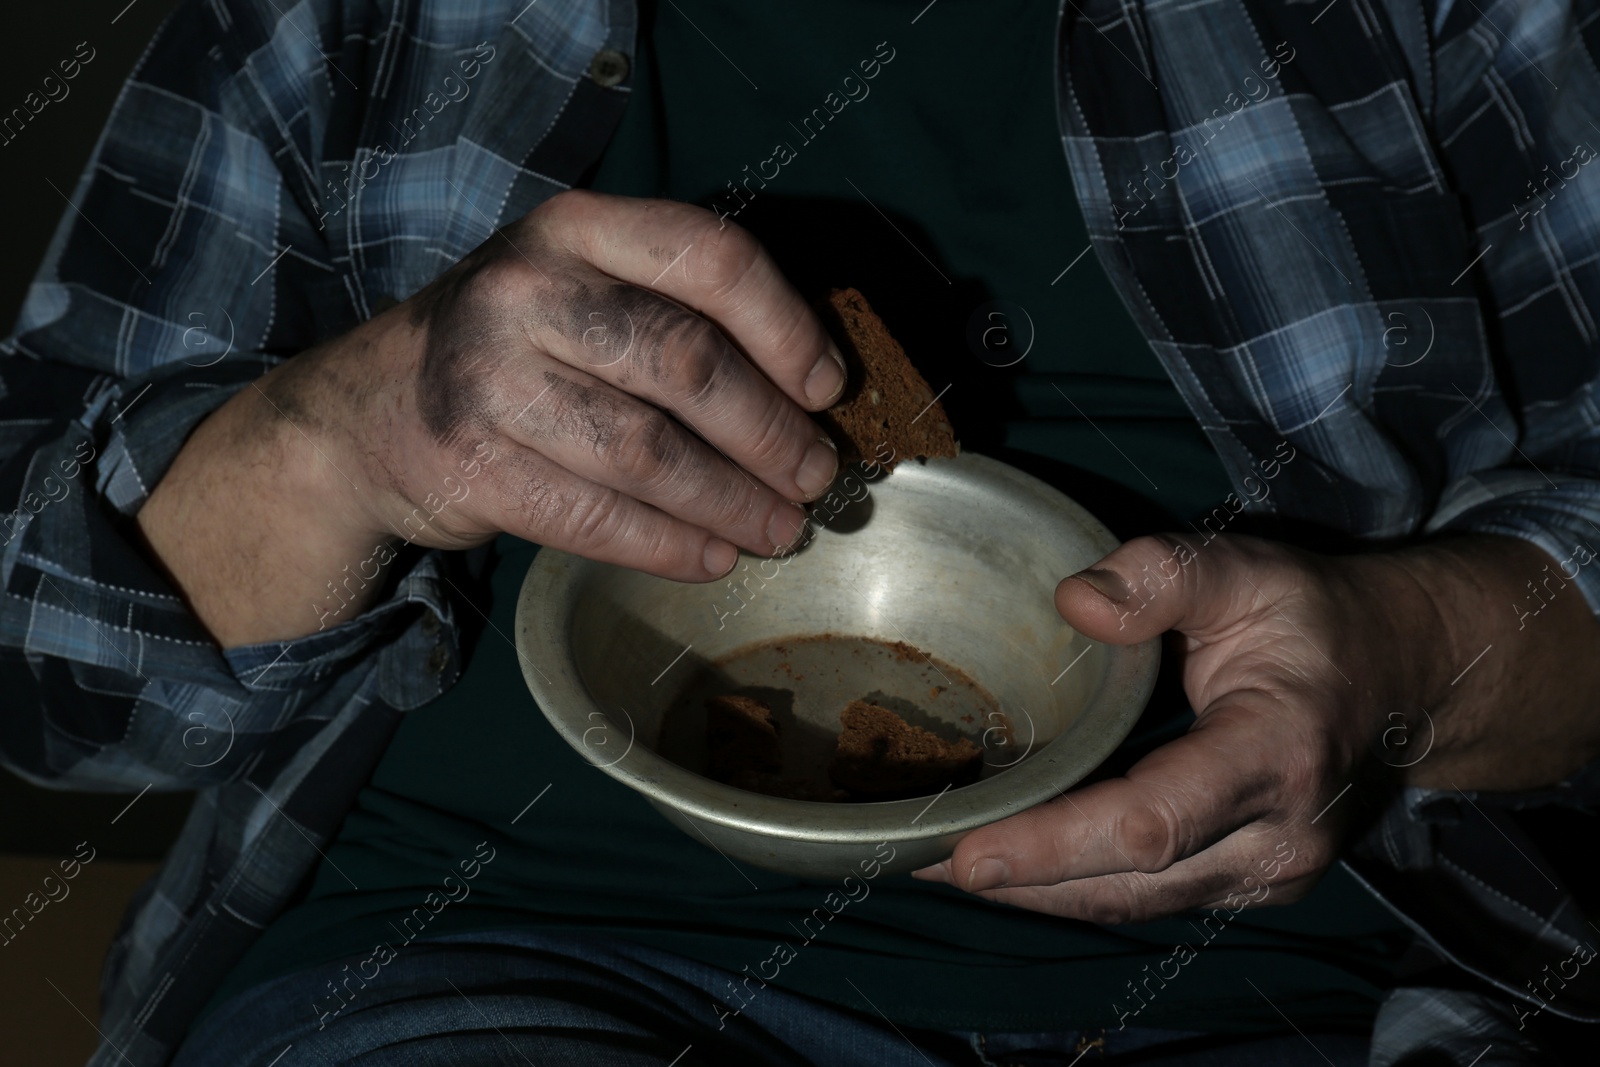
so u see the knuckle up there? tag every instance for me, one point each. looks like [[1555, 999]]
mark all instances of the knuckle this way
[[1173, 559], [724, 256], [773, 444], [567, 220], [795, 329], [648, 450], [542, 505], [499, 283], [1110, 906], [735, 502], [1308, 768], [591, 519], [1152, 836], [723, 501], [691, 358], [567, 204], [660, 551], [1318, 764]]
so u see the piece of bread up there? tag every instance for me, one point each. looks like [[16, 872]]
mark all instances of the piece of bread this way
[[745, 750], [887, 413], [878, 756], [881, 756], [741, 738]]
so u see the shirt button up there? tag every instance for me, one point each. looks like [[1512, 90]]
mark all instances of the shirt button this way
[[430, 624], [438, 659], [608, 67]]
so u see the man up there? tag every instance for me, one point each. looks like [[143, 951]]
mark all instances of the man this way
[[209, 545]]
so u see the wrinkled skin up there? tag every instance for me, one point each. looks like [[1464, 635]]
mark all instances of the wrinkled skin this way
[[629, 380], [1299, 667], [620, 416]]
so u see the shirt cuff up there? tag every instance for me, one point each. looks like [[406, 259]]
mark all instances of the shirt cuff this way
[[121, 665], [1558, 513]]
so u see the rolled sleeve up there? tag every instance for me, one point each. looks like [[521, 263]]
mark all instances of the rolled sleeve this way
[[194, 259], [116, 683], [1527, 464], [1560, 513]]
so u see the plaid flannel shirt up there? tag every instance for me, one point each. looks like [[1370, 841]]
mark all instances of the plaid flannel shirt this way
[[1274, 188]]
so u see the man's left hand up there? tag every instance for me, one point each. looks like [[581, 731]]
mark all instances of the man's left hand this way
[[1297, 664]]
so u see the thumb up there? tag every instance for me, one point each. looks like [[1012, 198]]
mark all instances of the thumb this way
[[1162, 582]]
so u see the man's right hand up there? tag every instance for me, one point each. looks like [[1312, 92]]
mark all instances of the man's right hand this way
[[618, 378]]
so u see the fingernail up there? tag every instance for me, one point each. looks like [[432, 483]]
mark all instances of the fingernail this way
[[720, 557], [988, 874], [826, 380], [1108, 584], [821, 464], [786, 526], [939, 872]]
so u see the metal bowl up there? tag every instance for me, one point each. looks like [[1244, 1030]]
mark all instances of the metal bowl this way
[[958, 558]]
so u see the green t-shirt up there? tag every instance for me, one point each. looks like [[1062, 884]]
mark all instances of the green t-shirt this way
[[907, 144], [924, 167]]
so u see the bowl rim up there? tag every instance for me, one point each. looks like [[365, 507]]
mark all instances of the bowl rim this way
[[557, 687]]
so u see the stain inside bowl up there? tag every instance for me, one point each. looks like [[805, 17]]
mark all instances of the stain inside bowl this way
[[805, 682]]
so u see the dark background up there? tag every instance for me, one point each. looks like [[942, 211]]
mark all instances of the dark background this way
[[50, 970], [56, 143], [53, 148]]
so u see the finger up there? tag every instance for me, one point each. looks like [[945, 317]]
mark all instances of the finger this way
[[1174, 581], [1172, 804], [1254, 867], [540, 501], [670, 356], [607, 437], [714, 267]]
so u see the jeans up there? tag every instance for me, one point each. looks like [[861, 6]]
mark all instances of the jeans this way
[[532, 997]]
